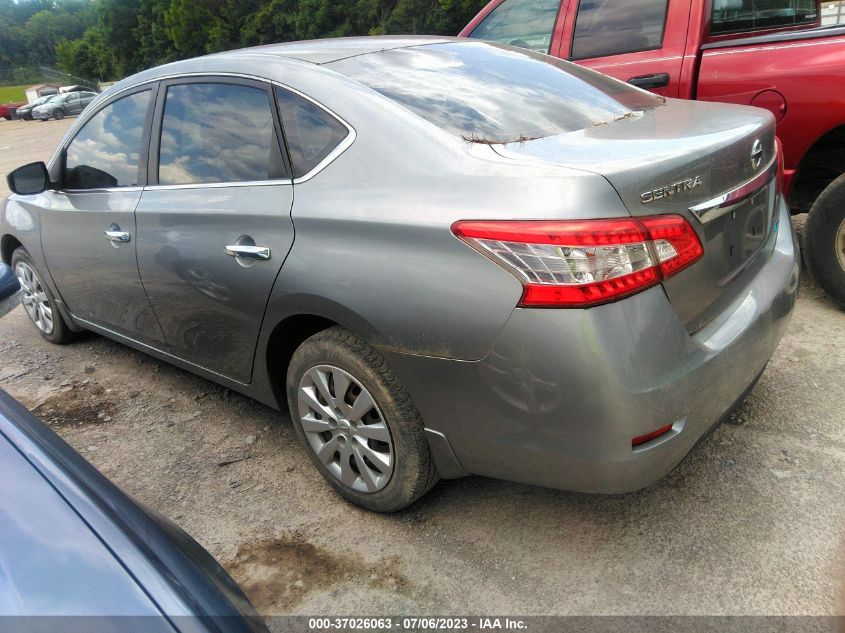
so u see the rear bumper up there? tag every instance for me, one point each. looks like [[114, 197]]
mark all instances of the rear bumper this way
[[558, 399]]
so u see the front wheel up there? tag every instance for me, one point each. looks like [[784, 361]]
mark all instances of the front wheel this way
[[824, 240], [59, 114], [357, 423], [38, 301]]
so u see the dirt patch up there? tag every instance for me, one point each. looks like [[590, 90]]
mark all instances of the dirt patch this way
[[277, 574], [76, 405]]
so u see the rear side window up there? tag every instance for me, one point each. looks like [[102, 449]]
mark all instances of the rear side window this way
[[217, 132], [608, 27], [524, 23], [734, 16], [489, 93], [106, 152], [311, 132]]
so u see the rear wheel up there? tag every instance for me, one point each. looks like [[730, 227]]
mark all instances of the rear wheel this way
[[824, 240], [38, 301], [357, 423]]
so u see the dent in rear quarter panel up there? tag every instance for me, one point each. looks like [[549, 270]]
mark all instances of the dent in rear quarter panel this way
[[374, 249], [803, 71]]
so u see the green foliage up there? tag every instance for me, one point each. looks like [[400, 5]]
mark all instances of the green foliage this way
[[13, 94], [108, 39]]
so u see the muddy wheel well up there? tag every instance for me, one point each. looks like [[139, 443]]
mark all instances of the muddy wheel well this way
[[7, 246], [287, 336], [821, 165]]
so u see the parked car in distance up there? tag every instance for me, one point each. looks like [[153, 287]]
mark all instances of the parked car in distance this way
[[503, 264], [61, 105], [8, 111], [25, 110], [76, 545], [767, 54]]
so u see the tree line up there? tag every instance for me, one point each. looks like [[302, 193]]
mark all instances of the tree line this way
[[109, 39]]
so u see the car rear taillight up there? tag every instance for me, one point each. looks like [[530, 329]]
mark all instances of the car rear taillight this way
[[581, 263]]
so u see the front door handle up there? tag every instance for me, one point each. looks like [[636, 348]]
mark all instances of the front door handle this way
[[647, 82], [117, 236], [249, 252]]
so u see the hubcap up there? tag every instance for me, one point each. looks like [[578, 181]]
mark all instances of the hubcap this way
[[345, 428], [34, 298], [840, 244]]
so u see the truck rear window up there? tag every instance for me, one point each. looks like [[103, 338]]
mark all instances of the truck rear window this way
[[492, 93], [735, 16]]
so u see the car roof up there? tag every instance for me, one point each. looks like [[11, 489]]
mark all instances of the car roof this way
[[332, 49]]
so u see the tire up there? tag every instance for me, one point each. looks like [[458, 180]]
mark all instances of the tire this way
[[824, 240], [57, 332], [392, 426], [58, 114]]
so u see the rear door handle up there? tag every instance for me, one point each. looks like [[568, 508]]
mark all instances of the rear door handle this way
[[249, 252], [117, 236], [646, 82]]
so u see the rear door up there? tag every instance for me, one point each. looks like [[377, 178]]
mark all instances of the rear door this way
[[88, 230], [629, 40], [214, 224]]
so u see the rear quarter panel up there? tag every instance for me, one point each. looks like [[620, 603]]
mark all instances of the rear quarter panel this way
[[374, 250]]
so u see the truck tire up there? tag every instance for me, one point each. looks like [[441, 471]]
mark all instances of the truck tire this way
[[824, 240]]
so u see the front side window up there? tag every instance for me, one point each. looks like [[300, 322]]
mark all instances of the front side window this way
[[734, 16], [610, 27], [311, 132], [524, 23], [217, 132], [107, 150]]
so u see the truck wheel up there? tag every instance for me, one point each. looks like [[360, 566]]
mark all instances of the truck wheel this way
[[38, 301], [357, 423], [824, 240]]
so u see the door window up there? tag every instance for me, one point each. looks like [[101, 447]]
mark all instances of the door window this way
[[217, 132], [611, 27], [106, 151], [312, 133], [524, 23], [733, 16]]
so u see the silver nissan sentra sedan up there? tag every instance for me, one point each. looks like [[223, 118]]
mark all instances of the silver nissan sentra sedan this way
[[444, 257]]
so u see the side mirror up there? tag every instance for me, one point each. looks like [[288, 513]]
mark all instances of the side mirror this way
[[29, 179], [10, 290]]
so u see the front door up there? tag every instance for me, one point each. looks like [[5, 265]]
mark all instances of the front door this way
[[214, 225], [88, 231], [72, 104], [628, 40]]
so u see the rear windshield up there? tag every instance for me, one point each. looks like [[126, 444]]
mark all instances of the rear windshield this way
[[732, 16], [491, 93]]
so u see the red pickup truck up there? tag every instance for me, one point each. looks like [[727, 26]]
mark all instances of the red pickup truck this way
[[7, 110], [775, 54]]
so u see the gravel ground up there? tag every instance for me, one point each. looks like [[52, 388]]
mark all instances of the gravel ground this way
[[752, 522]]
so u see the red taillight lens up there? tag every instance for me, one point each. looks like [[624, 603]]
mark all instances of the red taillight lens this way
[[779, 151], [581, 263]]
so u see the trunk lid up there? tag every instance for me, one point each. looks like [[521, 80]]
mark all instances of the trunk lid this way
[[713, 164]]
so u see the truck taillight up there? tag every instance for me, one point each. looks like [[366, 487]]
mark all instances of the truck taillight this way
[[581, 263], [779, 152]]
